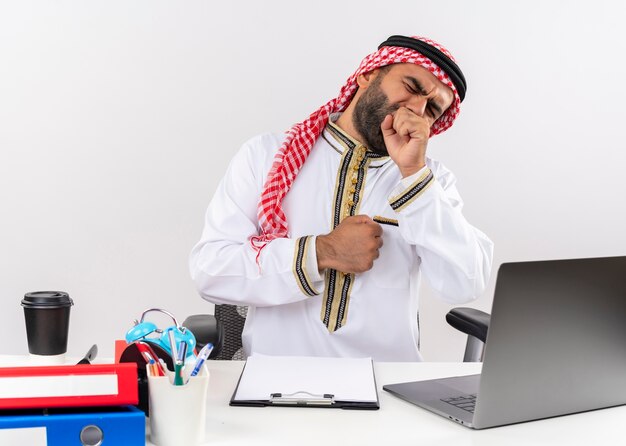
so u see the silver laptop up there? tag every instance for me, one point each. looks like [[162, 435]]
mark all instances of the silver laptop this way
[[556, 345]]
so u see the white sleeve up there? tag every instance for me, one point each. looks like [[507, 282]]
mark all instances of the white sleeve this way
[[455, 256], [223, 264]]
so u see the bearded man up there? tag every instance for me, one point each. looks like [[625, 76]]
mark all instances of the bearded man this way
[[324, 232]]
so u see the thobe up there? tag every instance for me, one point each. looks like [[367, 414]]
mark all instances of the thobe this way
[[294, 309]]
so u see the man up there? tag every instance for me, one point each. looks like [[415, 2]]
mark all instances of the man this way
[[324, 232]]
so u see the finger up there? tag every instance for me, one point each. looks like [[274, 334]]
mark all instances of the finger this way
[[362, 218], [402, 124], [412, 128], [387, 126], [374, 227], [406, 112], [378, 230], [404, 117]]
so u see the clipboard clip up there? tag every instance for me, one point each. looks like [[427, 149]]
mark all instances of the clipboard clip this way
[[302, 398]]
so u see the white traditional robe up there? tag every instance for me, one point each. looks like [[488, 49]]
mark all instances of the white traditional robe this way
[[295, 310]]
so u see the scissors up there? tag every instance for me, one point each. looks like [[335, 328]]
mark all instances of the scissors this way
[[141, 329]]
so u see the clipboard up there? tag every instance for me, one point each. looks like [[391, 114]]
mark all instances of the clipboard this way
[[302, 381]]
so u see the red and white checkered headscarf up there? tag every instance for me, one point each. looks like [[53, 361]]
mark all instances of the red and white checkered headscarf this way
[[301, 137]]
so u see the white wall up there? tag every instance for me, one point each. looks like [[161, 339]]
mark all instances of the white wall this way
[[118, 117]]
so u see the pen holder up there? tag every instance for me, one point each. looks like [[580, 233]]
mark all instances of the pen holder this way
[[178, 413]]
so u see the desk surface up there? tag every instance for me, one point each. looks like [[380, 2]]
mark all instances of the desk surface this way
[[396, 423]]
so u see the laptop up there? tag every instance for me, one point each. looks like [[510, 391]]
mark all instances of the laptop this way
[[556, 345]]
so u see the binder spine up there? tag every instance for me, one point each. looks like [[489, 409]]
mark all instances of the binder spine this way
[[126, 393], [123, 425]]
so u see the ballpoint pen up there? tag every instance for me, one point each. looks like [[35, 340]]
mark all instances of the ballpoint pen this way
[[202, 356], [179, 363], [154, 366], [147, 353], [178, 373], [182, 351], [151, 367], [173, 346]]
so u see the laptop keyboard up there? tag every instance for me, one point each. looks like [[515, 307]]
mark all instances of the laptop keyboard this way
[[465, 402]]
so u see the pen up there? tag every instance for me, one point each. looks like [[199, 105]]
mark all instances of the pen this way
[[163, 365], [147, 353], [202, 356], [179, 363], [151, 367], [178, 377], [155, 367], [182, 351], [173, 345]]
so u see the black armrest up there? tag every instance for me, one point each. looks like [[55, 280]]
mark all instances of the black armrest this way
[[470, 321], [206, 328]]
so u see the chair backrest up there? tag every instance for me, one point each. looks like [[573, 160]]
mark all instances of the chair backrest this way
[[233, 318]]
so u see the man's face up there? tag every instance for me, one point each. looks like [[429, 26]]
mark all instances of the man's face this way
[[400, 85]]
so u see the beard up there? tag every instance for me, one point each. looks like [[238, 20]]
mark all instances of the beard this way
[[369, 113]]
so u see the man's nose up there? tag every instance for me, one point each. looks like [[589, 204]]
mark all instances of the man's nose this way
[[417, 104]]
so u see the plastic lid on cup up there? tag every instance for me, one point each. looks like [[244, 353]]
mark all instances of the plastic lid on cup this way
[[47, 299]]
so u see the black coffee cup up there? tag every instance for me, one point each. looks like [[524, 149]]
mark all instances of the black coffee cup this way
[[47, 315]]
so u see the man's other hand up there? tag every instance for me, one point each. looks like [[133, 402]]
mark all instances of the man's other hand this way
[[351, 247], [406, 138]]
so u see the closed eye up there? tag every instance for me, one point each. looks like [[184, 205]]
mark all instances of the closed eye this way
[[414, 87], [434, 110]]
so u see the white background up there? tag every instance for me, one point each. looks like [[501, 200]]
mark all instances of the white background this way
[[118, 118]]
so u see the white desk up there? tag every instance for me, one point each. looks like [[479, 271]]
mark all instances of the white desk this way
[[396, 423]]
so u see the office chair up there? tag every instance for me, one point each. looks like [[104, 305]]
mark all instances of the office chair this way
[[225, 327], [223, 330], [207, 328], [233, 318], [475, 324]]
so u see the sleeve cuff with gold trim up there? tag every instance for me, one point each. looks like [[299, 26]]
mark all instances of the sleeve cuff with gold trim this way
[[305, 265], [411, 187]]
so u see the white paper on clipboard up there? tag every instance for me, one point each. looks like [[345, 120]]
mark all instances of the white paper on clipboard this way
[[347, 379]]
